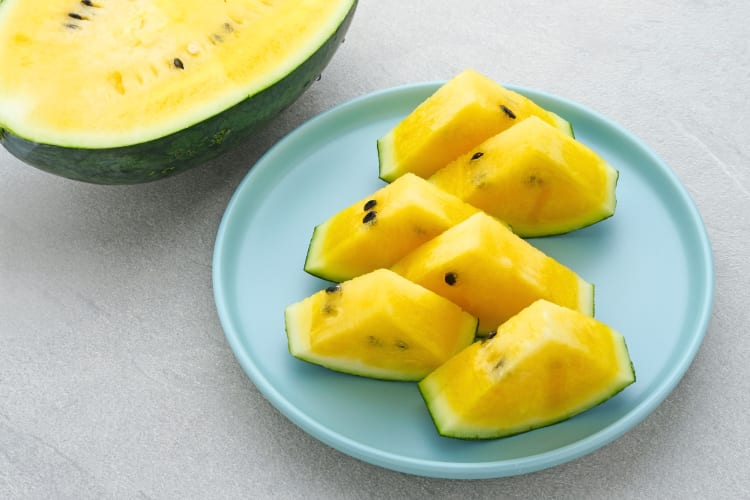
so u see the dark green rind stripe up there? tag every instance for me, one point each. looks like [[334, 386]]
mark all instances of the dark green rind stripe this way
[[184, 149]]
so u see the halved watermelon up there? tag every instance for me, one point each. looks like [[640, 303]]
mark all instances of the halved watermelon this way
[[126, 92]]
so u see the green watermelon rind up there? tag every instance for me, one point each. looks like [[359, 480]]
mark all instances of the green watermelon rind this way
[[315, 265]]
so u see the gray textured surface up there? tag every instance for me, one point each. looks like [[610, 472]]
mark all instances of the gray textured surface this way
[[116, 380]]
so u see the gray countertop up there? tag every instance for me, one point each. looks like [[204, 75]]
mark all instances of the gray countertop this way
[[116, 380]]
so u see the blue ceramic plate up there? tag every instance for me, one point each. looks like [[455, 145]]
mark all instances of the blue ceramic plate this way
[[651, 264]]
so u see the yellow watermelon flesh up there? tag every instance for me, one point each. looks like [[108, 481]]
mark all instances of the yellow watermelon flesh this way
[[378, 325], [544, 365], [534, 177], [492, 273], [379, 229], [462, 113]]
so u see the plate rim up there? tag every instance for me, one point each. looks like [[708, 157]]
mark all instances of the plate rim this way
[[462, 470]]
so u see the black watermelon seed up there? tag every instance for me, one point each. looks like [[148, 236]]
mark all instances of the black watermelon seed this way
[[451, 278], [402, 345], [72, 26], [508, 112], [488, 337], [333, 289], [87, 3], [369, 217], [477, 155], [178, 63], [77, 16], [370, 205]]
